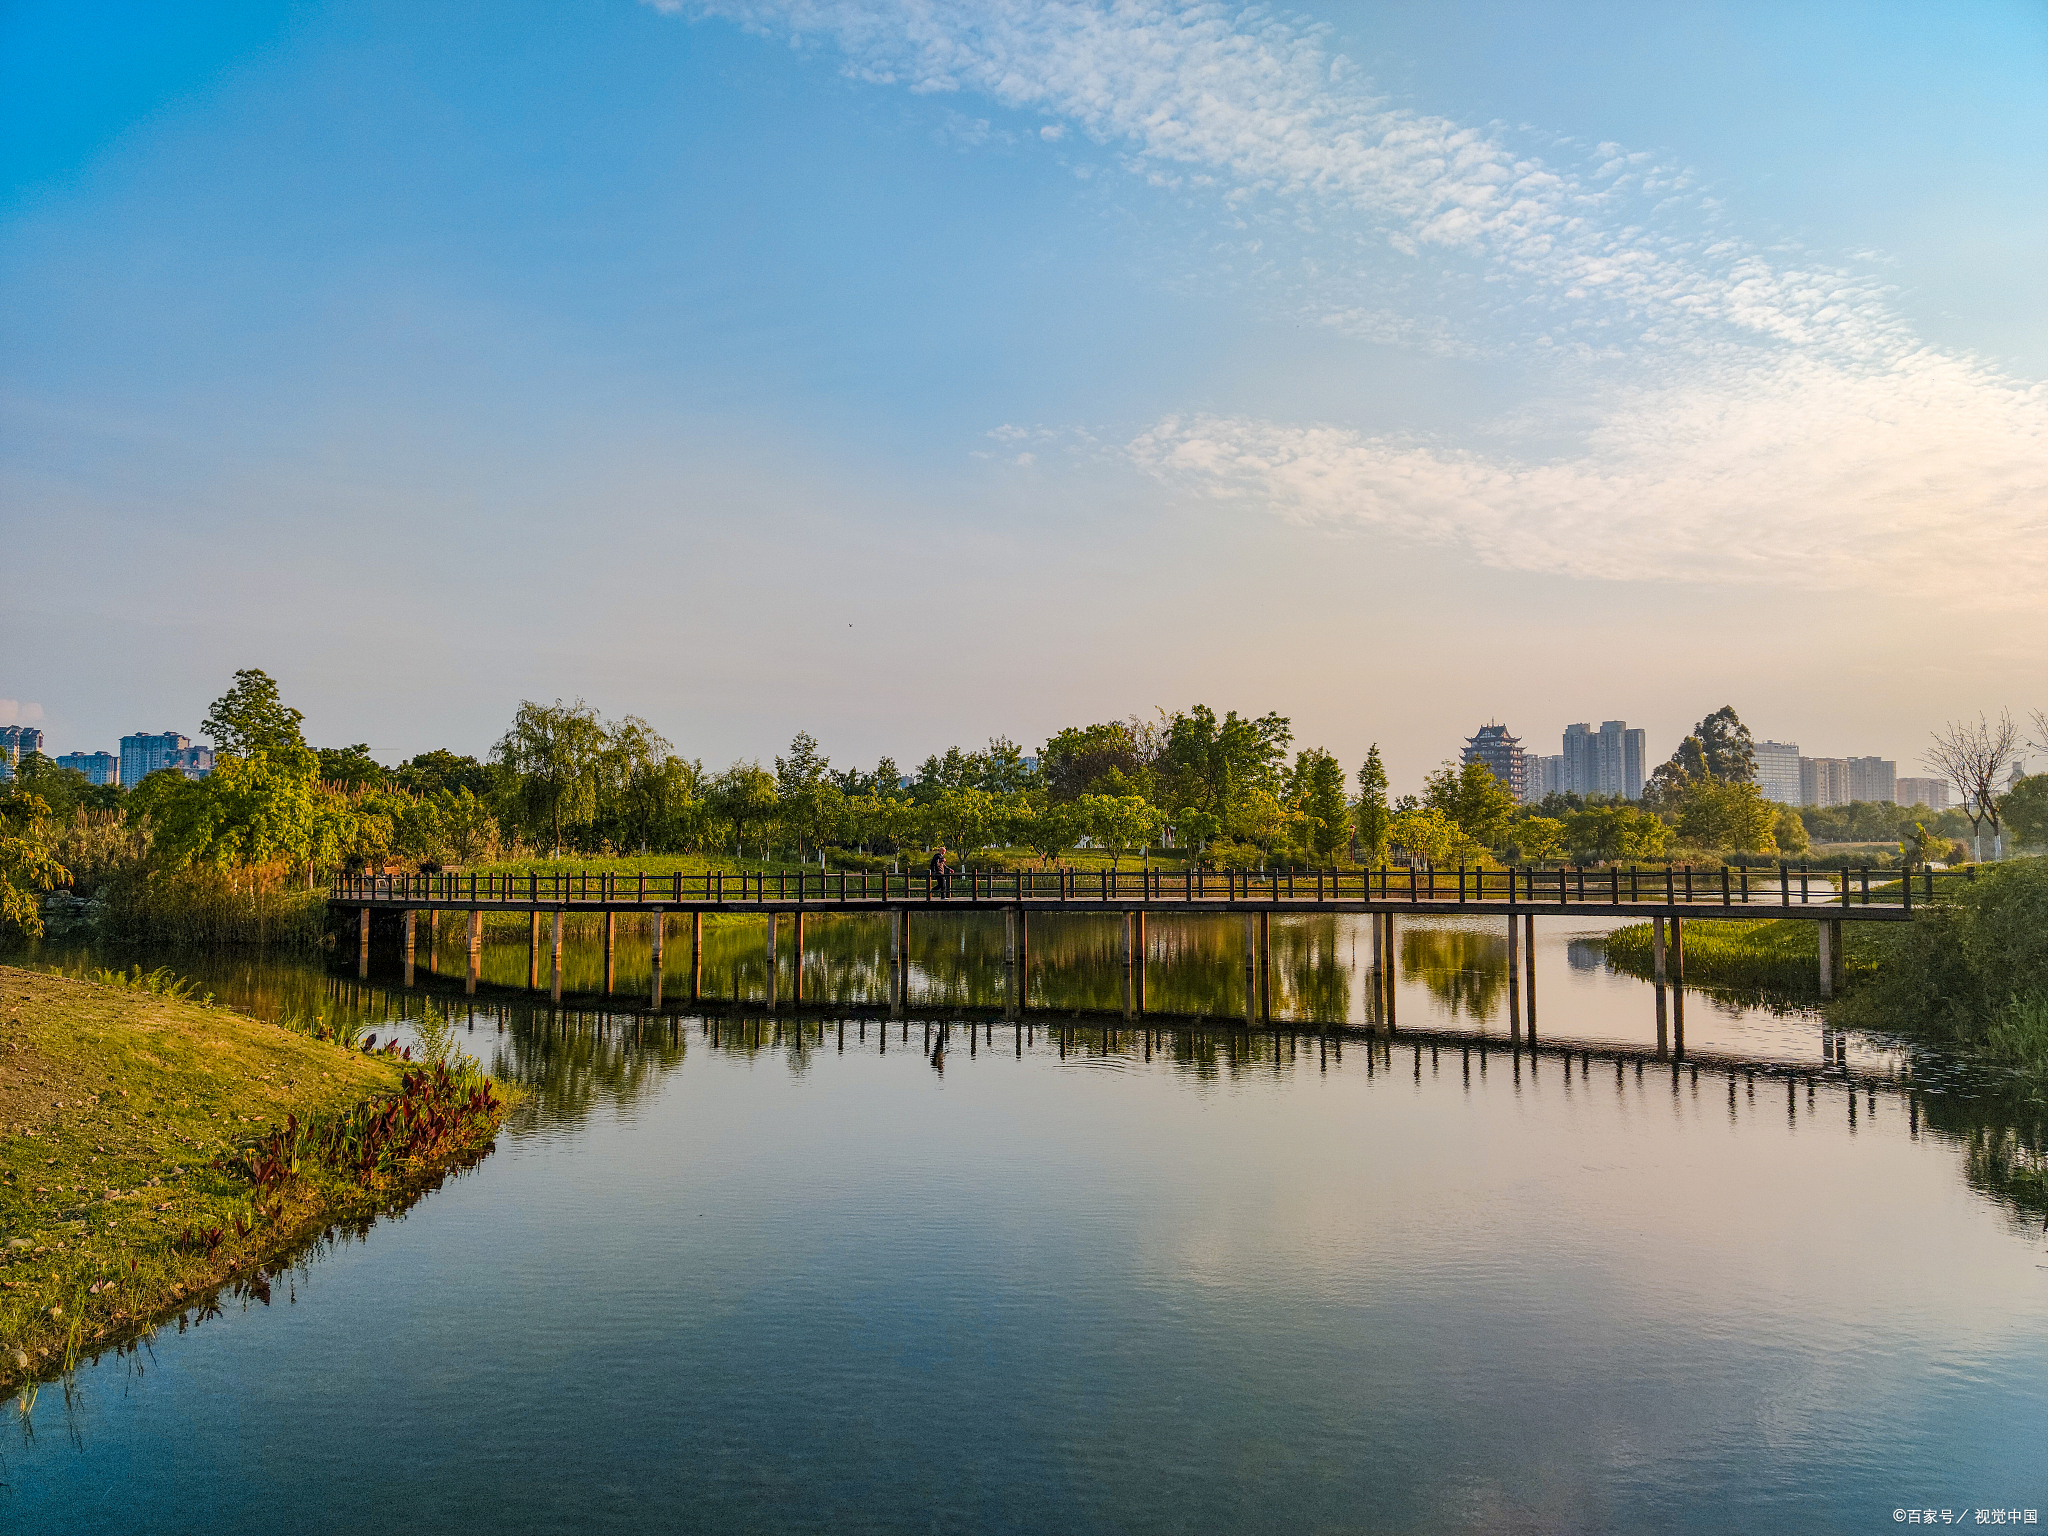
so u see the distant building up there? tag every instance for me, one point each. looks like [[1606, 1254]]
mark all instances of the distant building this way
[[1824, 781], [1777, 771], [1608, 761], [1493, 746], [1932, 793], [1546, 775], [1873, 778], [17, 742], [98, 767], [142, 755]]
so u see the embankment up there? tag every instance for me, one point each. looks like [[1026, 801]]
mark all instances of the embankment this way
[[155, 1149]]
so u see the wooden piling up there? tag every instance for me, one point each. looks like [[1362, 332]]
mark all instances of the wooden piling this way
[[411, 941], [774, 923], [555, 956], [1514, 977], [533, 950], [1265, 966], [796, 986], [476, 949], [362, 942], [1529, 966], [611, 934]]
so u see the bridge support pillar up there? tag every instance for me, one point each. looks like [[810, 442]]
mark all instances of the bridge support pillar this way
[[796, 983], [1266, 966], [1138, 940], [1013, 919], [433, 938], [555, 956], [1390, 978], [1677, 985], [362, 941], [1529, 960], [696, 956], [774, 923], [475, 967], [1251, 971], [899, 960], [533, 950], [1130, 999], [411, 942], [1657, 974], [655, 934], [1514, 977], [611, 934], [1825, 937]]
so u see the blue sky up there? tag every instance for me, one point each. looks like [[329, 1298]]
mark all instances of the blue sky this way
[[911, 374]]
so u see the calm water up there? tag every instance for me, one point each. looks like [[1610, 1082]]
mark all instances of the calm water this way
[[733, 1272]]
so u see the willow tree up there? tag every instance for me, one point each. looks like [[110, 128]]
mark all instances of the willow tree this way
[[554, 752]]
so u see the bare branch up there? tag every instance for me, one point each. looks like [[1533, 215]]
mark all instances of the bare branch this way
[[1972, 757]]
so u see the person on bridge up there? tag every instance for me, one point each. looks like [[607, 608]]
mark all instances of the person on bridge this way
[[942, 874]]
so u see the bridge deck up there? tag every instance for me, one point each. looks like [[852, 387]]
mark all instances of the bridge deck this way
[[1595, 893]]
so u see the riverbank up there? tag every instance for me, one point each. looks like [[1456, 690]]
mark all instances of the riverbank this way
[[1968, 974], [144, 1164]]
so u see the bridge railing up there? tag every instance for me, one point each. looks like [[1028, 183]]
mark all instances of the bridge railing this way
[[1563, 887]]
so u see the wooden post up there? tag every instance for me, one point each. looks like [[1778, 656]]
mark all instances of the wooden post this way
[[1657, 976], [1514, 977], [1129, 999], [611, 933], [476, 948], [555, 956], [899, 957], [1824, 934], [1529, 966], [696, 956], [657, 932], [796, 988], [1251, 970], [1266, 966], [362, 941], [533, 950], [774, 923], [411, 942], [1138, 939], [1391, 977], [1013, 919]]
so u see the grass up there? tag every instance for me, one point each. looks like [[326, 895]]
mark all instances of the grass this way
[[1778, 958], [141, 1165], [911, 859]]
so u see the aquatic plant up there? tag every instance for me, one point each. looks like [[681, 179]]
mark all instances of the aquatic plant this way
[[161, 982]]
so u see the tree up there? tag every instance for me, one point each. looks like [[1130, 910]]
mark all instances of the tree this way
[[1609, 833], [1118, 822], [256, 808], [1316, 786], [1788, 830], [1921, 846], [1727, 815], [26, 866], [552, 749], [351, 766], [250, 717], [1372, 813], [429, 773], [744, 795], [1973, 758], [1199, 828], [1719, 748], [1477, 802], [1539, 839], [1210, 764], [2025, 809], [1426, 835]]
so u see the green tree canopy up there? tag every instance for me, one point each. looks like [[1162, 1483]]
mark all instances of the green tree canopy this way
[[251, 717], [1719, 748], [352, 766], [1474, 800], [1371, 812], [552, 750], [1315, 787]]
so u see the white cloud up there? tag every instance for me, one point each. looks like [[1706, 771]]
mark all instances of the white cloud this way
[[1743, 417]]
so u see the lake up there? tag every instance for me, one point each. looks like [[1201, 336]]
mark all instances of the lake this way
[[953, 1272]]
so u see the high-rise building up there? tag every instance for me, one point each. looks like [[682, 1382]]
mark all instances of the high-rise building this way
[[1604, 762], [98, 767], [1777, 771], [1493, 746], [17, 742], [1932, 793], [1546, 775], [1873, 778], [142, 755], [1824, 781]]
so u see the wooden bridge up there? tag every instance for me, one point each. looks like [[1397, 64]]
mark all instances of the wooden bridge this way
[[1666, 896]]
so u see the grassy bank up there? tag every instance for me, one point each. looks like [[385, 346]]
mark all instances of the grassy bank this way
[[1760, 957], [154, 1148], [1969, 973]]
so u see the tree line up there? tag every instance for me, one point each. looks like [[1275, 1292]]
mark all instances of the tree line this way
[[1225, 791]]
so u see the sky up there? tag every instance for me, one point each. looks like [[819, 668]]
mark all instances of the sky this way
[[916, 373]]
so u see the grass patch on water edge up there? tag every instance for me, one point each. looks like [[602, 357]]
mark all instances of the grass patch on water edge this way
[[154, 1148], [1776, 960]]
